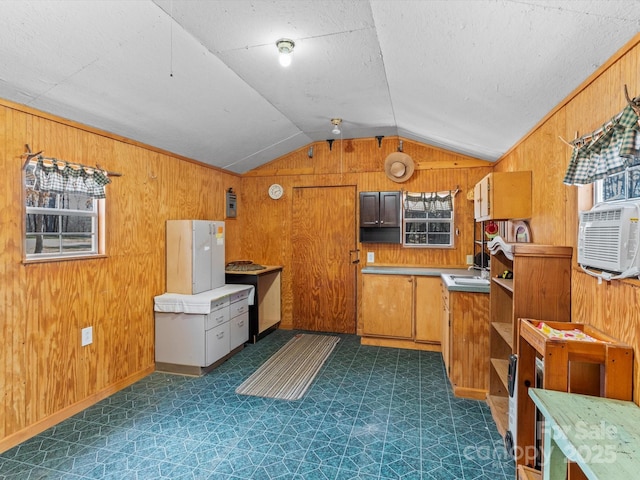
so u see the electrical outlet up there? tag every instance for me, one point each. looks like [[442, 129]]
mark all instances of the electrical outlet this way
[[87, 336], [371, 257], [469, 259]]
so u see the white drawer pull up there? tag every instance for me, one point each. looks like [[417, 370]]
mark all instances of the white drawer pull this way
[[220, 335]]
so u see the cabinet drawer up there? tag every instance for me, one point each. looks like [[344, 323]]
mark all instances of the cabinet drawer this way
[[216, 318], [239, 330], [216, 343], [238, 308], [236, 297], [219, 303]]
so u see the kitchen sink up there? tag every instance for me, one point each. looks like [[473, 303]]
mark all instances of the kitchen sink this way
[[469, 280]]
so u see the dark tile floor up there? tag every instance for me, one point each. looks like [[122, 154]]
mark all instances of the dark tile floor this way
[[371, 413]]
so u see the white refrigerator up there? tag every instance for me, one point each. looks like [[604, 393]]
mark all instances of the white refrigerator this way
[[195, 256]]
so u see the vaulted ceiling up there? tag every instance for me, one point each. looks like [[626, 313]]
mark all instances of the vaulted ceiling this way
[[202, 79]]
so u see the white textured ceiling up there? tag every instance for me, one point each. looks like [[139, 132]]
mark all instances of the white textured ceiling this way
[[201, 78]]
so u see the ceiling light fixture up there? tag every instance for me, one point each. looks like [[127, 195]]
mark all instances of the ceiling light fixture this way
[[285, 48], [336, 125]]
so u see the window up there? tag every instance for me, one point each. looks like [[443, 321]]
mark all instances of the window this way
[[61, 219], [428, 219], [621, 186]]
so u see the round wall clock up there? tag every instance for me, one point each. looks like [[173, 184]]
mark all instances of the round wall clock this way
[[276, 191]]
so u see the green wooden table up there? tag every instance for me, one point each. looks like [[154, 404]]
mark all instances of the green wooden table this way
[[600, 434]]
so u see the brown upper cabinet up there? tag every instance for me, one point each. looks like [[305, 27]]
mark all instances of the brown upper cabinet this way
[[380, 217], [503, 196], [380, 209]]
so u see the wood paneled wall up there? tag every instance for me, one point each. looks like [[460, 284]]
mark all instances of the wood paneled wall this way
[[45, 375], [611, 307], [266, 224]]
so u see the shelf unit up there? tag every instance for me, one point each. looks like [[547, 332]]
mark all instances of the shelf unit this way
[[603, 367], [540, 288]]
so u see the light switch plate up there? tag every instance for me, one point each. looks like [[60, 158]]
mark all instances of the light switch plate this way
[[87, 336], [371, 257]]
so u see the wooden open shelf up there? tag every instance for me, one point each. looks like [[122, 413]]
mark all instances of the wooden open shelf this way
[[505, 330], [506, 283], [540, 288], [501, 368]]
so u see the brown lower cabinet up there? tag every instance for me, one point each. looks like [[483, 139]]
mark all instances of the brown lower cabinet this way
[[387, 306], [465, 342]]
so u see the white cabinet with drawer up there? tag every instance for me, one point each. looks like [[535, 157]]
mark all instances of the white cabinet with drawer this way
[[191, 341]]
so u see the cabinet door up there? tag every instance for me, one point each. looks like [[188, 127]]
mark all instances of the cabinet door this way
[[216, 343], [481, 199], [477, 201], [389, 209], [387, 305], [369, 209], [239, 330], [469, 340], [428, 300]]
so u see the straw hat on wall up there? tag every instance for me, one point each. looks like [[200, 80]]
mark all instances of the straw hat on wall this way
[[399, 166]]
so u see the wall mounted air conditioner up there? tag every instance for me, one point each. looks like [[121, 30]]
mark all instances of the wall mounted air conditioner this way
[[608, 237]]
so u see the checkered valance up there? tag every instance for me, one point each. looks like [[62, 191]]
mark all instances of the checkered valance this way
[[428, 201], [610, 151], [57, 176]]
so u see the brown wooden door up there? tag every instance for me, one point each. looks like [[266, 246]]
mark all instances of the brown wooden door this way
[[324, 277]]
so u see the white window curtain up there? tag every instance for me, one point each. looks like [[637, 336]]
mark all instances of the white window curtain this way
[[57, 176]]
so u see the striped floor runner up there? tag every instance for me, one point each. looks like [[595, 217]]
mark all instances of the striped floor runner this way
[[290, 371]]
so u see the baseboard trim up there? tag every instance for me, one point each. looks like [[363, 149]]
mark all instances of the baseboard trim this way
[[40, 426], [400, 343]]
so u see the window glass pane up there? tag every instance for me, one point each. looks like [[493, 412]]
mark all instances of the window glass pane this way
[[634, 182], [72, 224], [414, 214], [37, 222], [75, 201], [614, 187], [77, 243], [440, 214], [416, 227], [439, 239], [415, 238], [439, 227], [43, 244]]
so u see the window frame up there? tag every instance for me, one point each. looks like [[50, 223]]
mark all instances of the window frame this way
[[427, 220], [96, 235]]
